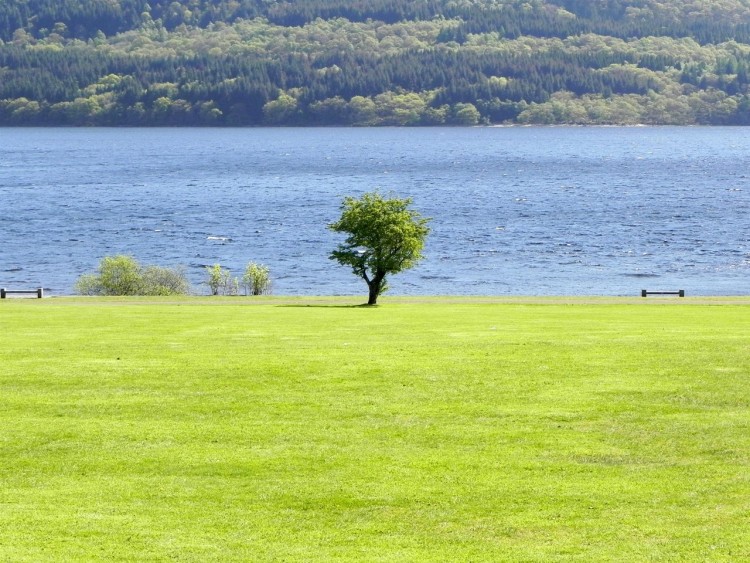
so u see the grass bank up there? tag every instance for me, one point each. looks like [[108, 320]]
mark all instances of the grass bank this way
[[424, 429]]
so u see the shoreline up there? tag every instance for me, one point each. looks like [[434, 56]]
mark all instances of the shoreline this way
[[384, 301]]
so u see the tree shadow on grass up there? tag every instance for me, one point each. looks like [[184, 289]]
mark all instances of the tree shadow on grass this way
[[324, 306]]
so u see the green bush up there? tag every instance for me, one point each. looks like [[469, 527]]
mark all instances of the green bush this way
[[120, 275], [88, 284], [220, 281], [157, 280], [257, 279], [123, 275]]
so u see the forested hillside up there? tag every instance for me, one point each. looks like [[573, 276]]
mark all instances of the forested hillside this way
[[373, 62]]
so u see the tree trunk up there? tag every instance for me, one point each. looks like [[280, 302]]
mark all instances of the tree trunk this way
[[376, 286], [374, 292]]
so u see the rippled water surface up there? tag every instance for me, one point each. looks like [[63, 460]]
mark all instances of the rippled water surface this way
[[601, 211]]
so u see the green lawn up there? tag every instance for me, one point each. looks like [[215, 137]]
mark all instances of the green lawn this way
[[421, 430]]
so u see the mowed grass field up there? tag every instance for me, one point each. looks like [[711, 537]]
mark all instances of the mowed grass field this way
[[445, 429]]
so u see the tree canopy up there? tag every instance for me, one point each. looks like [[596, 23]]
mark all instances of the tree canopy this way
[[374, 62], [124, 275], [384, 237]]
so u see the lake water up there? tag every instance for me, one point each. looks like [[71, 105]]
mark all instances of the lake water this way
[[527, 211]]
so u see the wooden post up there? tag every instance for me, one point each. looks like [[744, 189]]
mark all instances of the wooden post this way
[[682, 293], [644, 293], [40, 292], [2, 293]]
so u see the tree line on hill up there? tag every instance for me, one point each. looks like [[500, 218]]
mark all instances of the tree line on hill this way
[[375, 62]]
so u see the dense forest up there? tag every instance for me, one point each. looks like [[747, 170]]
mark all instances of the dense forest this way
[[374, 62]]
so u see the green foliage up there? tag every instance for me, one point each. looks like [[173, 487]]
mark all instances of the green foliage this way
[[220, 281], [157, 280], [123, 275], [384, 237], [381, 62], [280, 110], [466, 114], [88, 284], [215, 277], [120, 275], [257, 279]]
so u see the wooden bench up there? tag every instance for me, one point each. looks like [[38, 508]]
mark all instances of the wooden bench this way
[[39, 292], [679, 292]]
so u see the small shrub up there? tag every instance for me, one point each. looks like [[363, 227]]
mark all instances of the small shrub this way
[[120, 275], [220, 281], [123, 275], [157, 280], [234, 287], [88, 284], [257, 279]]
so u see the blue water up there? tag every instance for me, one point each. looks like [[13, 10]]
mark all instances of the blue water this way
[[528, 211]]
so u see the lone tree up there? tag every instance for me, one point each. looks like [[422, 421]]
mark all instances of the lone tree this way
[[385, 237]]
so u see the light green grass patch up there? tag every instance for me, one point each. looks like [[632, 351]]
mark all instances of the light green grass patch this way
[[435, 429]]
